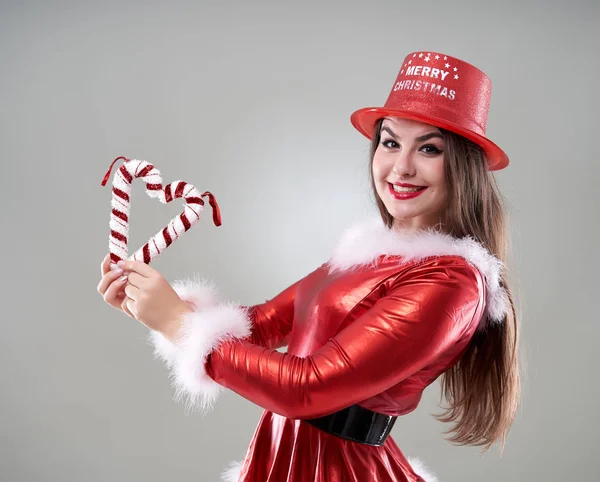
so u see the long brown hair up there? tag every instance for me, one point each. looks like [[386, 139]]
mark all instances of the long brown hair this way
[[483, 389]]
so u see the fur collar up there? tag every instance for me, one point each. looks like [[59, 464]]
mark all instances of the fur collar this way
[[363, 242]]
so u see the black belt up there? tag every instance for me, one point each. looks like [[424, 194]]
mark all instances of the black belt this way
[[357, 424]]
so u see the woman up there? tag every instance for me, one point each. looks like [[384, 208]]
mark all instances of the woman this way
[[401, 302]]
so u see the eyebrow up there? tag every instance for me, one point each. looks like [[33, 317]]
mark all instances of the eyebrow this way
[[422, 138]]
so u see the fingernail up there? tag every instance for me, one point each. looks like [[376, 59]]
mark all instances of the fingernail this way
[[121, 263], [118, 270], [123, 278]]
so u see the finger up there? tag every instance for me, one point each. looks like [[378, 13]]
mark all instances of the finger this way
[[125, 308], [130, 306], [132, 292], [139, 267], [105, 265], [136, 279], [115, 293], [107, 280]]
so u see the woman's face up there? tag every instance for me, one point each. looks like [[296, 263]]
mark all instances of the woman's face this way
[[408, 169]]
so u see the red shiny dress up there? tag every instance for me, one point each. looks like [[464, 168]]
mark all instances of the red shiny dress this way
[[373, 332], [374, 337]]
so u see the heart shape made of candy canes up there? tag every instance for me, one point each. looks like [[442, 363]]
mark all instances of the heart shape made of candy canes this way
[[121, 201]]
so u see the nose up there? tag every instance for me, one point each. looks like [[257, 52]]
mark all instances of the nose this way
[[404, 165]]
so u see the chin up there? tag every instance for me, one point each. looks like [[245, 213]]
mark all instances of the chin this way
[[422, 218], [408, 214]]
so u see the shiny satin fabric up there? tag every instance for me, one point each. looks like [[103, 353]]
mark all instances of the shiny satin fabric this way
[[286, 450], [374, 336]]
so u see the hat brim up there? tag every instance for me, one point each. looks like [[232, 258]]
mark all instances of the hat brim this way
[[364, 120]]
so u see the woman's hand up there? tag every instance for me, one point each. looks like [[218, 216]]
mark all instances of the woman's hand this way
[[151, 299], [111, 287]]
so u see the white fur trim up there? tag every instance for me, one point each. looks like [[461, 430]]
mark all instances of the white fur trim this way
[[232, 474], [202, 332], [199, 292], [211, 323], [421, 470], [163, 349], [363, 242]]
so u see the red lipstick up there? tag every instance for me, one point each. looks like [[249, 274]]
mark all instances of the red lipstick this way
[[405, 195]]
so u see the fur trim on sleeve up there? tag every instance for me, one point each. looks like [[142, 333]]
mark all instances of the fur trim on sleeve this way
[[199, 293], [211, 323]]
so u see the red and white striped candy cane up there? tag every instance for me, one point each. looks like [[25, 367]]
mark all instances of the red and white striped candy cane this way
[[119, 216]]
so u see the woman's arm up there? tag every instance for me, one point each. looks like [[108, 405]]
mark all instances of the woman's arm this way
[[422, 314], [267, 324], [271, 321]]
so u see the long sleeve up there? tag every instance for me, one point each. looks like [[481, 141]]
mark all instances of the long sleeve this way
[[422, 314], [271, 321], [212, 320]]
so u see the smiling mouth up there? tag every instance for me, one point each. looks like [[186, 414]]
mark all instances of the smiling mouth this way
[[402, 189]]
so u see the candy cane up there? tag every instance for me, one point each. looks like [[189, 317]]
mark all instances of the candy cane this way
[[119, 216]]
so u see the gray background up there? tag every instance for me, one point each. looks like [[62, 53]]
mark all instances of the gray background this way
[[252, 100]]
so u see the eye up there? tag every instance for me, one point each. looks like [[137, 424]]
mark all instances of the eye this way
[[386, 143], [431, 149]]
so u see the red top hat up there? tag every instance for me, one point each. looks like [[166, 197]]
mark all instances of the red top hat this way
[[442, 91]]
